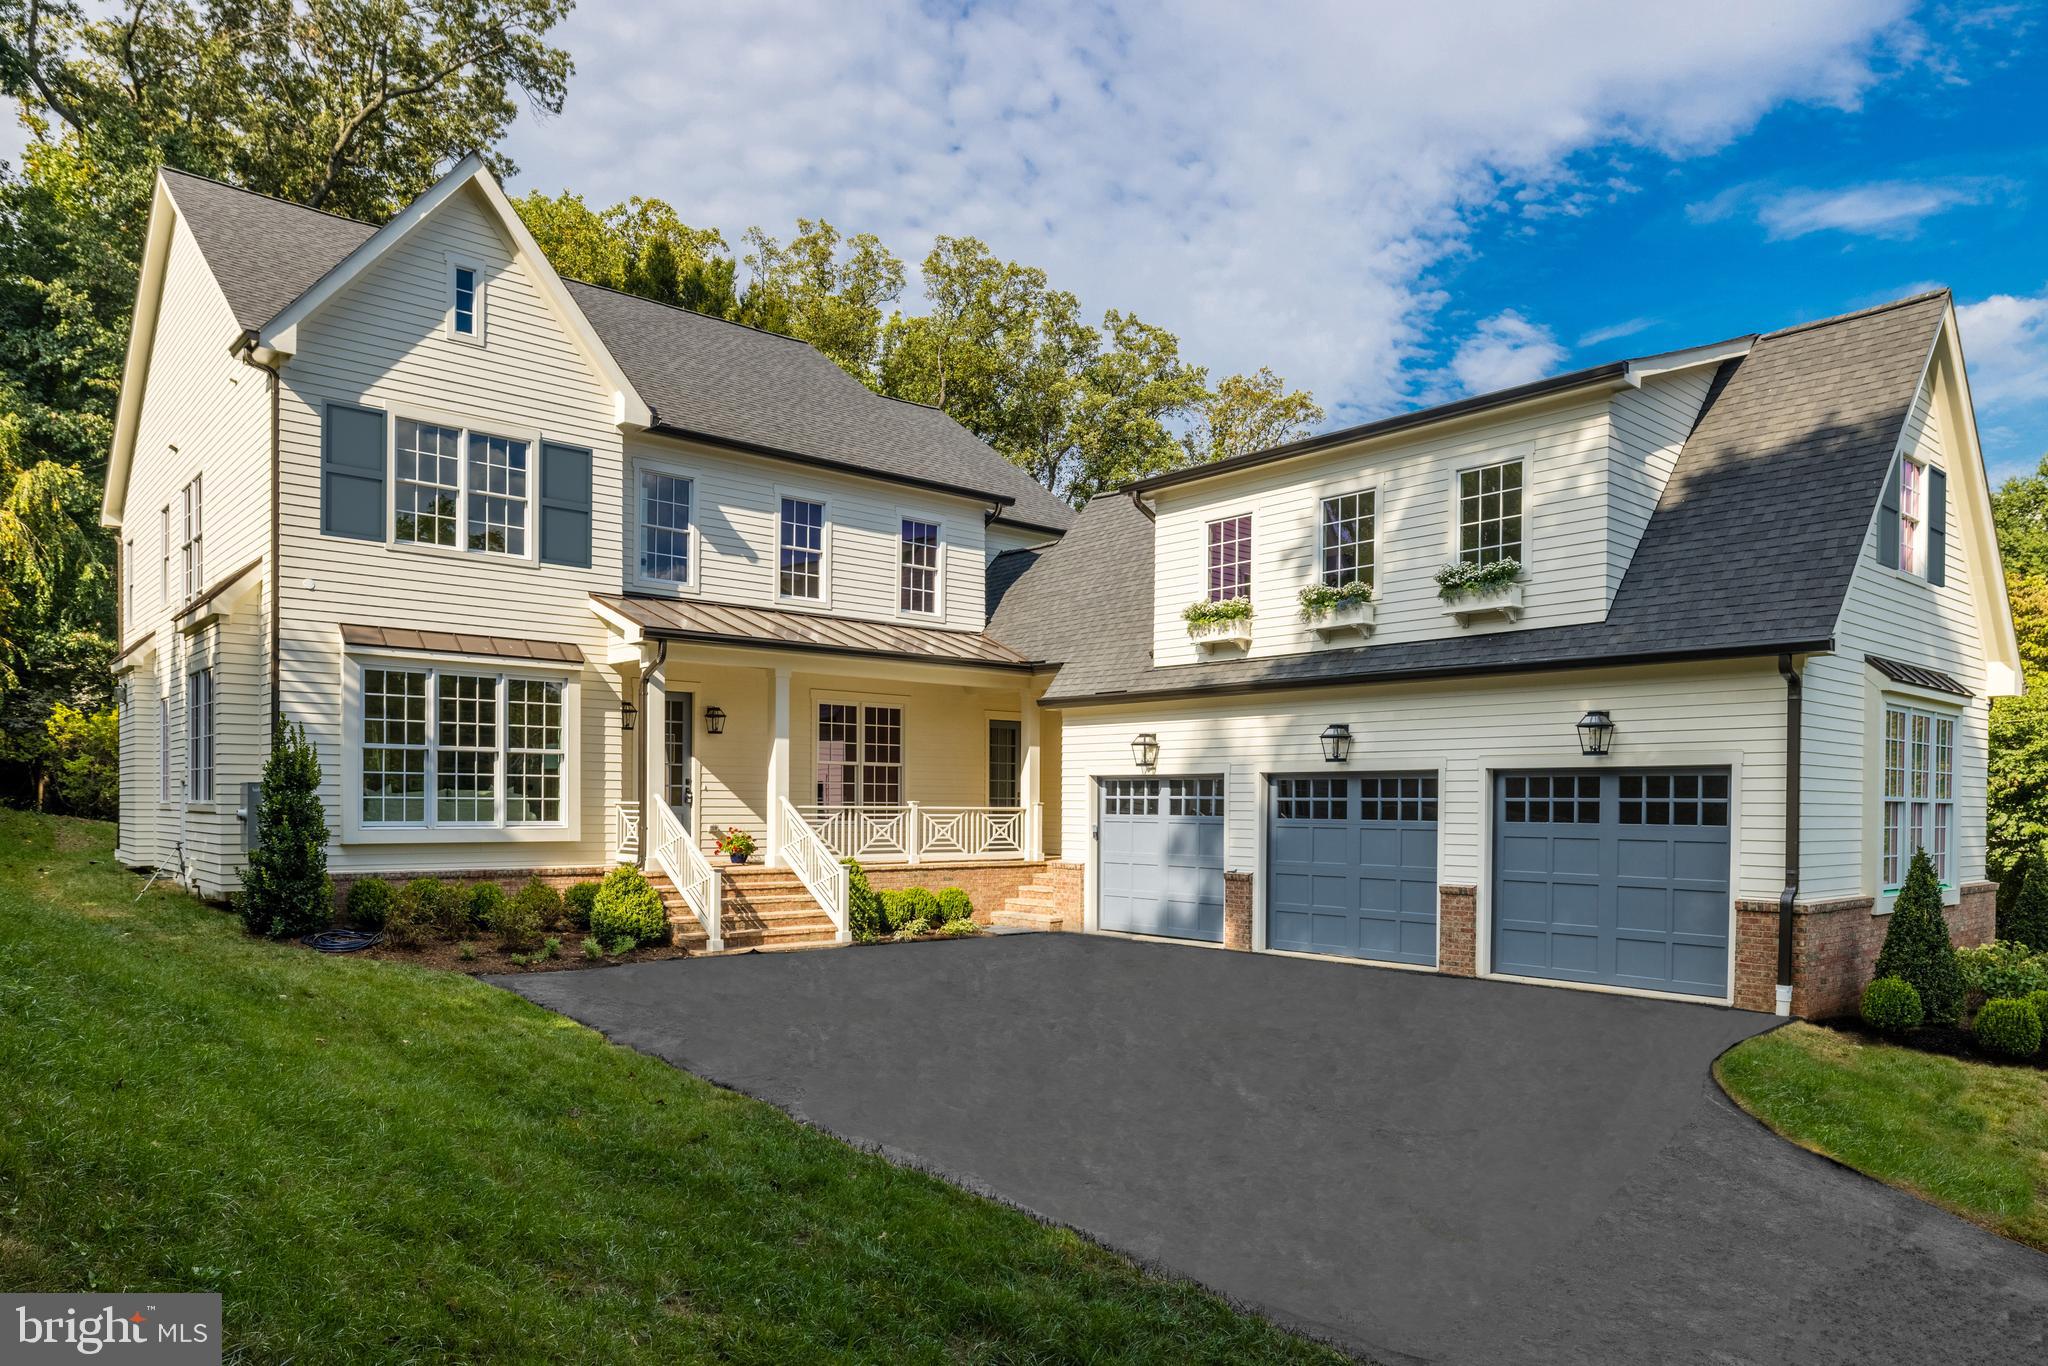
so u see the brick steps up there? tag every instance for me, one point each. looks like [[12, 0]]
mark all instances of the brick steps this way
[[766, 910], [1035, 907]]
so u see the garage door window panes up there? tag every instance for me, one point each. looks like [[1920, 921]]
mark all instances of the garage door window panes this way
[[1674, 799], [1408, 798], [1313, 799], [1551, 799], [1194, 796], [1919, 791], [1130, 797]]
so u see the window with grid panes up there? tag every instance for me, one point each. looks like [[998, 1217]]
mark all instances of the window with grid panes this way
[[1551, 799], [1919, 791], [1490, 513], [1347, 539]]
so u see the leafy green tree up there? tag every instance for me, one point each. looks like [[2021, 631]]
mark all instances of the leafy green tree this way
[[1917, 946], [2027, 923], [285, 888], [1247, 413], [824, 288], [85, 749]]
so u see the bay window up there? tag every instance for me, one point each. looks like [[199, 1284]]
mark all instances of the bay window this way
[[487, 747], [1919, 791]]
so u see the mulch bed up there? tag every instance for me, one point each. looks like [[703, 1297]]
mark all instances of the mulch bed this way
[[491, 959], [1948, 1041]]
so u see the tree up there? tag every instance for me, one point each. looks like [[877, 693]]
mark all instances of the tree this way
[[1249, 413], [1917, 946], [285, 888], [86, 752], [640, 246], [825, 289], [2027, 923], [2017, 776]]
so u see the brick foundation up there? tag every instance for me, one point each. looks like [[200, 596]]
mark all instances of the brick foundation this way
[[1237, 911], [988, 885], [1834, 948], [1457, 939]]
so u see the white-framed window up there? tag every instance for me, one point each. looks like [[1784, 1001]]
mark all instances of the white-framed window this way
[[480, 502], [460, 746], [918, 566], [163, 748], [665, 528], [1230, 557], [801, 551], [1912, 515], [164, 545], [1490, 513], [199, 736], [1347, 538], [1919, 791], [1005, 762], [465, 301], [860, 754], [131, 602], [192, 550]]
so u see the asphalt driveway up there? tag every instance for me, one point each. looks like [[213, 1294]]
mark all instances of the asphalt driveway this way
[[1416, 1167]]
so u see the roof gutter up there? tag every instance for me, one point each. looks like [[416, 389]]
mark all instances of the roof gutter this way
[[1794, 697]]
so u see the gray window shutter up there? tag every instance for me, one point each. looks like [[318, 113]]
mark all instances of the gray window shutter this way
[[564, 505], [1937, 526], [352, 472], [1888, 521]]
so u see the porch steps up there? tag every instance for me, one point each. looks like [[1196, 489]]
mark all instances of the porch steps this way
[[766, 910], [1033, 908]]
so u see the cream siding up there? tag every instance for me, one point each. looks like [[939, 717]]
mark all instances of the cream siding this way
[[1900, 617], [1710, 714], [1648, 428], [202, 413], [382, 343], [1000, 537]]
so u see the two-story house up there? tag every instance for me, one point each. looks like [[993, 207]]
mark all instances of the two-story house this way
[[551, 575], [1743, 673], [555, 576]]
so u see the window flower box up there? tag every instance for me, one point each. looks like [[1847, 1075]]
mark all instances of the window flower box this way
[[1338, 613], [1220, 626], [1504, 601], [1473, 591]]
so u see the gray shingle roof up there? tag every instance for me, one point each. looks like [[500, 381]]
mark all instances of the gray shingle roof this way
[[1750, 550], [701, 376]]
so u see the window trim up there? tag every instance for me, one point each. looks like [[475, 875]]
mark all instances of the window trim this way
[[693, 535], [1913, 519], [479, 307], [1910, 705], [1522, 451], [354, 830], [164, 576], [166, 794], [192, 531], [989, 721], [465, 428], [1325, 495], [862, 703], [1210, 592], [943, 545], [823, 602], [194, 713]]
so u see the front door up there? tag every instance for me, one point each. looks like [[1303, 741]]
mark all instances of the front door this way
[[677, 732]]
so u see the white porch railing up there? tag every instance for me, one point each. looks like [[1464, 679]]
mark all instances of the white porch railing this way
[[679, 859], [817, 867], [916, 833], [626, 832]]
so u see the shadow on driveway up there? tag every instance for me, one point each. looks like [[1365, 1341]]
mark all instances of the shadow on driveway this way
[[1417, 1167]]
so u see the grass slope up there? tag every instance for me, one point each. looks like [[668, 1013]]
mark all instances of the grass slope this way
[[1968, 1136], [373, 1161]]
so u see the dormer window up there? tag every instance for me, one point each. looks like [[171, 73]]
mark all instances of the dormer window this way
[[1230, 558], [465, 302], [1490, 513], [1913, 523]]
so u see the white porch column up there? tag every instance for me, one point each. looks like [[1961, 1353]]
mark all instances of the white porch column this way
[[778, 766], [1028, 779]]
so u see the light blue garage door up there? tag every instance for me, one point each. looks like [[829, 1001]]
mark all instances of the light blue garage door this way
[[1161, 860], [1616, 878], [1351, 866]]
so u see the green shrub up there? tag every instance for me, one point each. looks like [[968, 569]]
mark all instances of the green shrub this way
[[466, 951], [481, 902], [954, 904], [285, 888], [592, 949], [893, 915], [514, 920], [1917, 947], [426, 908], [2010, 881], [543, 901], [913, 929], [2027, 922], [628, 907], [1890, 1004], [2039, 1001], [917, 903], [84, 759], [865, 919], [2009, 1028], [2003, 968], [369, 902], [621, 946], [959, 928], [578, 901]]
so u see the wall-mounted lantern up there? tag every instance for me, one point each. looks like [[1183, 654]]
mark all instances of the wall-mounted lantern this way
[[1596, 733], [1336, 742], [1145, 751], [628, 715], [714, 720]]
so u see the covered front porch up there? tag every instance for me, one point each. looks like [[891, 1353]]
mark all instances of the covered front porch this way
[[822, 739]]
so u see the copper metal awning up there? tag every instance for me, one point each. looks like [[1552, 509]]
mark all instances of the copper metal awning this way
[[770, 628]]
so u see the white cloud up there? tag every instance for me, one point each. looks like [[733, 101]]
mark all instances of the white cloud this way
[[1274, 191], [2005, 343], [1505, 350], [1890, 208], [1616, 331]]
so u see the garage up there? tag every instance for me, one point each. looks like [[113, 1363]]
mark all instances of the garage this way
[[1160, 865], [1619, 878], [1351, 866]]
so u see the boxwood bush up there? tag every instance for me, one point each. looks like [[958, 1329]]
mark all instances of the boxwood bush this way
[[866, 921], [543, 901], [2004, 967], [516, 921], [1917, 947], [426, 908], [917, 903], [2009, 1028], [578, 901], [954, 904], [2027, 922], [482, 902], [1890, 1004], [628, 907], [369, 902]]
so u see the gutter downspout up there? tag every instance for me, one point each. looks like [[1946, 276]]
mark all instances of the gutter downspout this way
[[640, 750], [276, 383], [1794, 693]]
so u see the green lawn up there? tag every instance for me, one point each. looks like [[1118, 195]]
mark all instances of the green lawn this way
[[375, 1161], [1969, 1136]]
